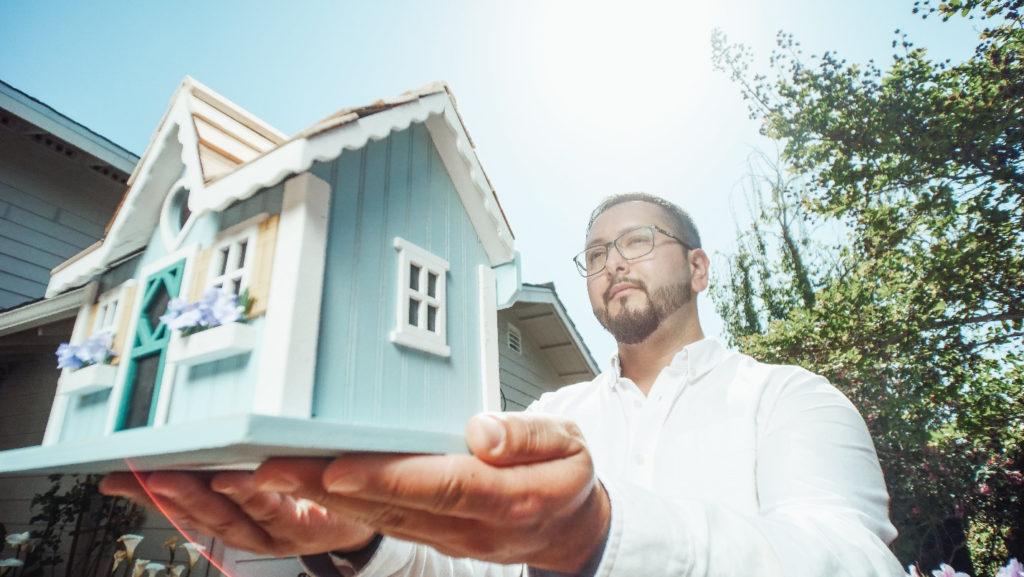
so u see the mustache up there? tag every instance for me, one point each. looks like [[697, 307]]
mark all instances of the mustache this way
[[641, 285]]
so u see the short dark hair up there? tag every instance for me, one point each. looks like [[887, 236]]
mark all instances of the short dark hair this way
[[684, 226]]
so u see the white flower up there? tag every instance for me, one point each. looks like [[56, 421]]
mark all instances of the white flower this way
[[17, 540], [130, 542], [8, 564], [140, 567], [913, 571], [194, 552], [154, 568], [175, 570], [119, 557]]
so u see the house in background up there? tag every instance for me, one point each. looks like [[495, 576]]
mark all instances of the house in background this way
[[374, 250]]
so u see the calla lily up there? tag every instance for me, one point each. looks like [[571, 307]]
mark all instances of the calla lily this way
[[194, 552], [119, 557], [175, 570], [154, 568], [172, 546], [912, 570], [18, 540], [130, 542], [140, 567], [8, 564]]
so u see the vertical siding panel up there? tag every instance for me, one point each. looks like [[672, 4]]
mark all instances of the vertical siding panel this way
[[223, 387], [396, 187], [338, 315], [371, 231], [86, 417], [385, 248], [392, 389]]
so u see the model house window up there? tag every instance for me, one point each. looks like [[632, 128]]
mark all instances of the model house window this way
[[515, 339], [421, 300], [106, 311], [231, 262]]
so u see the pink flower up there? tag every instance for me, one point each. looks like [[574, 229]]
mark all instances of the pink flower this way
[[947, 571], [984, 489], [1012, 569], [1014, 477], [916, 510]]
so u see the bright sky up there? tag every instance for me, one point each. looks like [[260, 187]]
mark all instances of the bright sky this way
[[568, 102]]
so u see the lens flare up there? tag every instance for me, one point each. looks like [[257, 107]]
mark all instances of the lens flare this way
[[206, 553]]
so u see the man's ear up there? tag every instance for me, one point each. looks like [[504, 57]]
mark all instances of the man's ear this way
[[700, 268]]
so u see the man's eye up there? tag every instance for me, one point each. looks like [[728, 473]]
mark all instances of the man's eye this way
[[636, 240], [596, 255]]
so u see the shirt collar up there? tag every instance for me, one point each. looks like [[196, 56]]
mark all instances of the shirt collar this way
[[696, 358]]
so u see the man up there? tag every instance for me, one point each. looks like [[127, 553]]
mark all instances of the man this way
[[682, 459]]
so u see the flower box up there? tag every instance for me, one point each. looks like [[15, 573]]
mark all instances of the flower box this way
[[86, 380], [214, 344]]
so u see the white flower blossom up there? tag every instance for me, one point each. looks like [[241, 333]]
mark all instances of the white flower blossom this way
[[194, 552], [130, 542]]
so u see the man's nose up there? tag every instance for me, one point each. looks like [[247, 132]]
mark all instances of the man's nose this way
[[615, 262]]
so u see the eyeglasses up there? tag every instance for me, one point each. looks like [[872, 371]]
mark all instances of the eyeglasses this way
[[631, 245]]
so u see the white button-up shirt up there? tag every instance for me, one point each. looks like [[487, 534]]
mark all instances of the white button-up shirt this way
[[728, 467]]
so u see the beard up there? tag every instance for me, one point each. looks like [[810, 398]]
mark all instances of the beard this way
[[633, 326]]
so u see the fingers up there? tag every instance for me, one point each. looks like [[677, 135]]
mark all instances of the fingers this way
[[127, 485], [456, 485], [504, 439], [187, 498]]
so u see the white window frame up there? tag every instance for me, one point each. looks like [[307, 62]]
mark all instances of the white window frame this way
[[230, 239], [110, 307], [514, 331], [418, 336]]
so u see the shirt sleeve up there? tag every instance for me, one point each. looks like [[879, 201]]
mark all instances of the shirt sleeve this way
[[397, 558], [823, 505]]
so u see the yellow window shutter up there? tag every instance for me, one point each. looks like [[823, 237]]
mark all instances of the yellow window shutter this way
[[90, 324], [121, 333], [199, 271], [263, 265]]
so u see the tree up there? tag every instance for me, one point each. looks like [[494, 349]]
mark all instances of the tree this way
[[918, 315]]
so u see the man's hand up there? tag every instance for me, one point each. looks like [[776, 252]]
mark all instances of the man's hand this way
[[527, 495], [229, 507]]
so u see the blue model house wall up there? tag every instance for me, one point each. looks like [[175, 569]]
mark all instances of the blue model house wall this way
[[395, 187]]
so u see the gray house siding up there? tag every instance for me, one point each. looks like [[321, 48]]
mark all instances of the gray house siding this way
[[50, 209], [524, 376]]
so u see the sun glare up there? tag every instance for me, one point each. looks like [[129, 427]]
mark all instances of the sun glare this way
[[626, 65]]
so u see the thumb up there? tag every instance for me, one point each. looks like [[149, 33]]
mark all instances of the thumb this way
[[505, 439]]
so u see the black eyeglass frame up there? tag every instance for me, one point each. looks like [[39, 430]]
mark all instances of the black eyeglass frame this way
[[582, 269]]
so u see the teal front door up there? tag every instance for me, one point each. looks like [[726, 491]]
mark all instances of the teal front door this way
[[149, 349]]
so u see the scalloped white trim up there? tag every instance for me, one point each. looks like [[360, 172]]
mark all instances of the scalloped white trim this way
[[436, 110]]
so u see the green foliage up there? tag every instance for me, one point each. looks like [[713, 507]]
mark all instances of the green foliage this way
[[918, 315], [91, 521]]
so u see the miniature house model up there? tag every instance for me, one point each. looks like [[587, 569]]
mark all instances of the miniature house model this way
[[374, 254]]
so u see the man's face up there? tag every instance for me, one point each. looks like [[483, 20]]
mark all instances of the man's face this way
[[632, 297]]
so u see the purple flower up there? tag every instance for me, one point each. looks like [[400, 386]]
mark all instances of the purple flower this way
[[66, 357], [93, 351], [947, 571], [217, 307], [1012, 569]]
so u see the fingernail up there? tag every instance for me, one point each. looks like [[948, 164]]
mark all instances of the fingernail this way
[[348, 482], [279, 485], [494, 430]]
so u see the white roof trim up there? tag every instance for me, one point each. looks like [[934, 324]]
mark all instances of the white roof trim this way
[[133, 225], [135, 222], [297, 156], [45, 311], [62, 127], [539, 294]]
